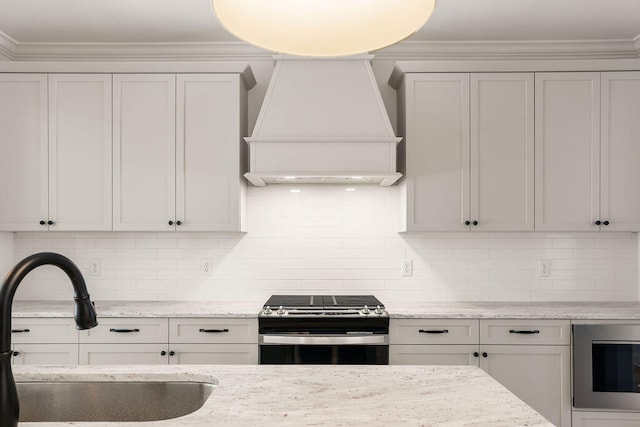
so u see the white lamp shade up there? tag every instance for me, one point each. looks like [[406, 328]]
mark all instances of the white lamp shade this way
[[323, 27]]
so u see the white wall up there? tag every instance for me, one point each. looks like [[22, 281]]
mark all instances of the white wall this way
[[325, 239], [6, 254]]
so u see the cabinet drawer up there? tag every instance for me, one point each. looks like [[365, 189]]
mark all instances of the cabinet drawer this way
[[43, 330], [214, 354], [527, 331], [433, 331], [127, 330], [230, 331]]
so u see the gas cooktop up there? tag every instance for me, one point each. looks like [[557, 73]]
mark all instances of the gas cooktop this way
[[323, 305]]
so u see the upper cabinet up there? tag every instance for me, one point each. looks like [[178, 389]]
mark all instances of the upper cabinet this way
[[587, 151], [469, 151], [178, 152], [56, 167]]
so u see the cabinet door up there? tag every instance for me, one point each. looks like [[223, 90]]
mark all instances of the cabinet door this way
[[212, 330], [122, 330], [539, 375], [216, 354], [43, 330], [502, 155], [208, 147], [620, 174], [123, 354], [567, 145], [23, 141], [433, 354], [45, 354], [80, 151], [144, 152], [437, 151], [605, 419]]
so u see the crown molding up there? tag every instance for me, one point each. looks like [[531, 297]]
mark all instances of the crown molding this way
[[198, 51], [408, 50], [7, 47], [512, 50]]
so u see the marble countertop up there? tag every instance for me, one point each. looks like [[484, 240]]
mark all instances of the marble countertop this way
[[489, 310], [298, 395]]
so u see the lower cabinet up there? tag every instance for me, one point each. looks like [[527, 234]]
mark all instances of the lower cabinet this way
[[45, 354], [531, 358], [605, 419], [123, 354]]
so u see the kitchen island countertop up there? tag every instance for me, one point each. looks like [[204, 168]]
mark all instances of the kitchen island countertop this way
[[297, 395], [603, 310]]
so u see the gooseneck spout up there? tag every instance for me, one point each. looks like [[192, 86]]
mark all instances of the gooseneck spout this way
[[84, 313]]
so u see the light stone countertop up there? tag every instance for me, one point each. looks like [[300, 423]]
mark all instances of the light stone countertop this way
[[488, 310], [298, 395]]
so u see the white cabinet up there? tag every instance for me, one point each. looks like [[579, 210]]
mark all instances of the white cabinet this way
[[213, 341], [144, 153], [80, 152], [587, 150], [125, 341], [44, 341], [529, 357], [56, 167], [23, 142], [620, 151], [468, 141], [178, 160]]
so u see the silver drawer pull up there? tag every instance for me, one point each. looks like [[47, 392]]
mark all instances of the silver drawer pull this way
[[123, 331], [433, 331], [214, 331], [20, 331], [524, 332]]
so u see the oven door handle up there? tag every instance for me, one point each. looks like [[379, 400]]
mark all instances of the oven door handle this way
[[351, 339]]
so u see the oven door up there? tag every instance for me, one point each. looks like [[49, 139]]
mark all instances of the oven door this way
[[324, 349], [606, 366]]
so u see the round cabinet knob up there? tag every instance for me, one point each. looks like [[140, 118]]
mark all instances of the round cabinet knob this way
[[42, 222], [484, 354], [467, 223], [366, 310], [170, 222], [179, 223], [281, 311], [598, 222], [172, 353], [476, 354], [475, 222], [50, 222], [16, 353], [163, 353], [606, 223]]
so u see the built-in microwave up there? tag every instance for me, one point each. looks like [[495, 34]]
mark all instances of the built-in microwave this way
[[606, 366]]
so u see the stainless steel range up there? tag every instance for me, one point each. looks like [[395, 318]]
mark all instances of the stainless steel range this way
[[324, 329]]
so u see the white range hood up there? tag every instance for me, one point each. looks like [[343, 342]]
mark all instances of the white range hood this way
[[323, 121]]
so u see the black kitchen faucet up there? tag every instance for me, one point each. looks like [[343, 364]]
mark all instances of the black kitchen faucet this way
[[84, 314]]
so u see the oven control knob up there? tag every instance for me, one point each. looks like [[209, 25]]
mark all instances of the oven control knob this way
[[281, 311], [366, 310], [267, 311], [379, 310]]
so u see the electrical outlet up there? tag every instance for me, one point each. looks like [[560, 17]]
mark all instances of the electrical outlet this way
[[94, 268], [543, 268], [206, 267], [406, 267]]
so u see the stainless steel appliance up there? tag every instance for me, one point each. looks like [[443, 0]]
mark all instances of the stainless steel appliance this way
[[606, 366], [324, 329]]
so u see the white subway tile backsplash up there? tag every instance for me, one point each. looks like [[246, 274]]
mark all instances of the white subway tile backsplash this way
[[324, 239]]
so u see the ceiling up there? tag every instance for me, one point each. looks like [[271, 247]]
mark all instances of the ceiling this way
[[38, 26]]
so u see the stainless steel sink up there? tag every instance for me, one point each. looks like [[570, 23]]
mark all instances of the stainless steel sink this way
[[109, 401]]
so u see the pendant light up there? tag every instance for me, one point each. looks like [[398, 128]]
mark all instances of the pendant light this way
[[323, 27]]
